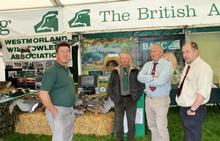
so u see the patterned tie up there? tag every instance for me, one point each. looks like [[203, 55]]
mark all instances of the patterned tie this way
[[179, 90], [125, 79], [153, 74]]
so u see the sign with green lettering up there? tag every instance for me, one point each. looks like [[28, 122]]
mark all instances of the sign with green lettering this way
[[111, 16], [141, 14], [31, 48]]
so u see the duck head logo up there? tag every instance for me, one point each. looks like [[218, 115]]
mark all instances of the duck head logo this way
[[81, 19], [49, 23]]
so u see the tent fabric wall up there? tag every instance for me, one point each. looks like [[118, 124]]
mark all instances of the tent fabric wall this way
[[127, 34], [134, 33], [209, 49], [2, 68], [204, 29]]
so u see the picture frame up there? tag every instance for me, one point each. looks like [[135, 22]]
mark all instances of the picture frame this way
[[11, 75]]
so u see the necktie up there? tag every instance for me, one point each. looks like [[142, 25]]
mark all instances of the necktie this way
[[153, 74], [181, 85], [125, 79]]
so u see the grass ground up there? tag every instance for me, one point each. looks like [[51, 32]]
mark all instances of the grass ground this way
[[211, 130]]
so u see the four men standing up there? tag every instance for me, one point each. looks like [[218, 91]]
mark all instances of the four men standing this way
[[125, 87]]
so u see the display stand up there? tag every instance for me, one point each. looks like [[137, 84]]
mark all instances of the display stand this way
[[140, 117]]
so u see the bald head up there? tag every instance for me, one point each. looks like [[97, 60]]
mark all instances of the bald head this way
[[156, 52]]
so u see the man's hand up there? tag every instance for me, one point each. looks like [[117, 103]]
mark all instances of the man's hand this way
[[45, 98], [190, 112], [54, 112]]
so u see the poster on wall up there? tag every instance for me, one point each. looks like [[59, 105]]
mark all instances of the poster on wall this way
[[30, 57], [100, 56], [172, 52], [40, 48]]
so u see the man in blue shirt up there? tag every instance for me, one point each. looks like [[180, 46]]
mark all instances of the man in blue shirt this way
[[157, 75]]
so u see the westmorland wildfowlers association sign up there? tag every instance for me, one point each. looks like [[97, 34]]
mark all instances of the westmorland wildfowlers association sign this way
[[31, 48]]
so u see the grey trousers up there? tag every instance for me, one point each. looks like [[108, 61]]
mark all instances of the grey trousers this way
[[62, 124], [156, 113]]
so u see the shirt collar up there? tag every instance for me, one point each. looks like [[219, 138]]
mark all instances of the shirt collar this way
[[159, 61], [59, 65], [194, 63], [125, 67]]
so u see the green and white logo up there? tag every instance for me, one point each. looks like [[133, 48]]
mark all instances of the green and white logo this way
[[49, 23], [3, 27], [81, 19]]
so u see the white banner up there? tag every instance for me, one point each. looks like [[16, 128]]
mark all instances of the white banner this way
[[114, 16], [31, 22], [141, 14], [41, 48]]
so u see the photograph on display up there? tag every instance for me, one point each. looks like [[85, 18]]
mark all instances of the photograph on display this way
[[26, 79], [38, 79], [39, 65], [95, 73], [30, 65], [26, 74], [17, 65], [103, 54], [39, 71], [9, 65], [24, 65], [12, 75]]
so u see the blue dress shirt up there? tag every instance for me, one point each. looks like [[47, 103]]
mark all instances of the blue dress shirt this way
[[164, 72]]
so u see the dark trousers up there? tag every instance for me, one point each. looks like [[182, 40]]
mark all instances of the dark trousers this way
[[193, 124], [129, 106]]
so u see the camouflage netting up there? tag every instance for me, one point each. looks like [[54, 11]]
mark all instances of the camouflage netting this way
[[89, 124], [7, 120]]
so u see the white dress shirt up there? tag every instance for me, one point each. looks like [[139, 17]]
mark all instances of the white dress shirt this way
[[198, 81]]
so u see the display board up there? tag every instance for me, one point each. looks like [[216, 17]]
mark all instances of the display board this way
[[100, 56], [27, 58], [172, 52]]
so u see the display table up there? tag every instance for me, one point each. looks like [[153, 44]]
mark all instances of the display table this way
[[87, 124]]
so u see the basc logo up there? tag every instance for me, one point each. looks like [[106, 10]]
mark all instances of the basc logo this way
[[3, 27], [49, 23], [81, 19]]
